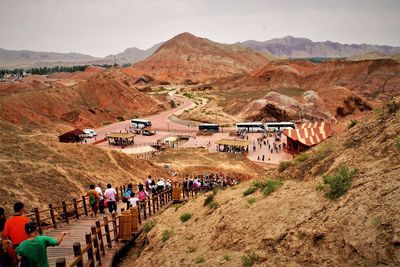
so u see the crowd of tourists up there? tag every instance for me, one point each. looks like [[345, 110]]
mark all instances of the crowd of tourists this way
[[209, 181], [21, 244]]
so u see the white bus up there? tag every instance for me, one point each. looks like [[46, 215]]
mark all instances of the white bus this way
[[251, 127], [139, 123], [279, 126], [209, 127]]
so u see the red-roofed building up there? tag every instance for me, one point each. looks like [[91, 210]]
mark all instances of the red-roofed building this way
[[305, 136], [72, 136]]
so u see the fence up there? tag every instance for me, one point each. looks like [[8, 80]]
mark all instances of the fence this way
[[102, 235], [106, 234]]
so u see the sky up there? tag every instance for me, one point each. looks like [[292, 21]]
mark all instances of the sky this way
[[103, 27]]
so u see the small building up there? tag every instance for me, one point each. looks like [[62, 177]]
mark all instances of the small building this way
[[120, 139], [72, 136], [305, 136], [232, 146]]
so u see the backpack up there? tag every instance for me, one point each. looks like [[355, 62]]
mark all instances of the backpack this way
[[142, 195], [92, 199], [126, 196]]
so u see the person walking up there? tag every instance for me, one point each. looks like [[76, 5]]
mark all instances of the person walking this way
[[110, 195], [94, 199], [127, 195], [133, 200], [101, 195], [5, 259], [33, 251], [14, 229]]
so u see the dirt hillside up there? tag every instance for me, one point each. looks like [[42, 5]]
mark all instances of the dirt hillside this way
[[187, 57], [200, 161], [296, 225], [101, 98], [38, 170]]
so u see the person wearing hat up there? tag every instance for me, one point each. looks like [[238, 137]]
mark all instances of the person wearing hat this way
[[33, 251]]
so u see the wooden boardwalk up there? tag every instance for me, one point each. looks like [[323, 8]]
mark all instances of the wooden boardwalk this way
[[94, 241], [77, 230]]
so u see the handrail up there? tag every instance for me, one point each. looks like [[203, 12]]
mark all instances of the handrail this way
[[108, 232]]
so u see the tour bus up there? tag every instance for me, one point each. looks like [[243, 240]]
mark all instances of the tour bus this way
[[251, 127], [209, 127], [279, 126], [139, 123]]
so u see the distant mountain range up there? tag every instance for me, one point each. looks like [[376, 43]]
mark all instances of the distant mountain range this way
[[287, 47], [293, 47], [27, 59]]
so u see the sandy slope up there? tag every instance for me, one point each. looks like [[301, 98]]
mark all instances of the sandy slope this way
[[296, 225]]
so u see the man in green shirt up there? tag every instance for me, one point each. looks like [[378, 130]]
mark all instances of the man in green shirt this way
[[34, 250]]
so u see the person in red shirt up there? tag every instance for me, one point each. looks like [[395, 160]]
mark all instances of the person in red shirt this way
[[14, 228]]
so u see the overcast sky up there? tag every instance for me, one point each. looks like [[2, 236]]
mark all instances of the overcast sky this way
[[103, 27]]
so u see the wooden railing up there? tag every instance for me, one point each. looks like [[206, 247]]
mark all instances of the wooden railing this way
[[57, 214], [102, 235]]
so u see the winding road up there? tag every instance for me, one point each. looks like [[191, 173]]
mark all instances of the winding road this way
[[159, 121]]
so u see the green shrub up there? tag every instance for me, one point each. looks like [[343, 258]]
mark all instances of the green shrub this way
[[250, 190], [227, 257], [213, 204], [209, 198], [120, 118], [259, 184], [215, 191], [337, 184], [249, 259], [198, 260], [283, 165], [352, 124], [149, 225], [251, 200], [323, 150], [397, 142], [177, 206], [271, 186], [190, 237], [166, 234], [302, 157], [185, 217]]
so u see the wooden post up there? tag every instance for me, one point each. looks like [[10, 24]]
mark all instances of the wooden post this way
[[60, 262], [88, 239], [154, 204], [76, 208], [37, 216], [100, 237], [78, 253], [114, 222], [53, 217], [144, 210], [149, 205], [84, 205], [107, 231], [138, 206], [157, 202], [96, 244], [65, 211], [135, 223]]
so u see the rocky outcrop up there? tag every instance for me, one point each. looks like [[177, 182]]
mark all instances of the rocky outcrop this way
[[328, 105]]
